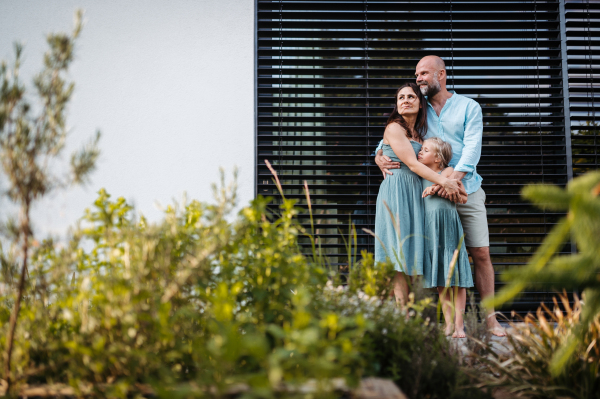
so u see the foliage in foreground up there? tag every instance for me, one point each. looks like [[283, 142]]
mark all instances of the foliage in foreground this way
[[523, 369], [32, 138], [558, 354], [195, 304]]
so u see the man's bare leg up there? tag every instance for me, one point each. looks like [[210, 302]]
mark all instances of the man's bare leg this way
[[400, 288], [484, 281]]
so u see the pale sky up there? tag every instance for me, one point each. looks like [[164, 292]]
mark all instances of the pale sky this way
[[170, 84]]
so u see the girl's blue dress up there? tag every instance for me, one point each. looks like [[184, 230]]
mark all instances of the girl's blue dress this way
[[443, 231]]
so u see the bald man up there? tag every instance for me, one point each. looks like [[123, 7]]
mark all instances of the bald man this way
[[458, 120]]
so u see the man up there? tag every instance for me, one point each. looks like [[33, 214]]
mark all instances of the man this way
[[458, 120]]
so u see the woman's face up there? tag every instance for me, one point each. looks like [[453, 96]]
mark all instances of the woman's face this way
[[427, 155], [408, 102]]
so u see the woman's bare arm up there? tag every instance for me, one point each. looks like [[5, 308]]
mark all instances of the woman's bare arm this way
[[395, 135]]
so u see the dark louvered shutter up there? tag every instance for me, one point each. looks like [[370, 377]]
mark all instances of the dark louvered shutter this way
[[327, 72], [583, 41]]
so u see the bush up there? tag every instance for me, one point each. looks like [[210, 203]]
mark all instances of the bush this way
[[557, 353], [196, 305], [524, 368], [572, 272]]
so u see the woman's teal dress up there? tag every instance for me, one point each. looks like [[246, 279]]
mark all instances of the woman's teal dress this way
[[443, 232], [402, 193]]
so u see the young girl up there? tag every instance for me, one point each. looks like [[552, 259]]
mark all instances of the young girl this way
[[443, 232]]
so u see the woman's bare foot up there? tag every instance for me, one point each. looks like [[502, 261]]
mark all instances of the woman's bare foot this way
[[494, 327], [449, 329], [459, 333]]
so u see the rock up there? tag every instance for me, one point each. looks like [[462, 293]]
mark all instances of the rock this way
[[378, 388]]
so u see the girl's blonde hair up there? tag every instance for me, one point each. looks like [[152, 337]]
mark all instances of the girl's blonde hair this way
[[442, 149]]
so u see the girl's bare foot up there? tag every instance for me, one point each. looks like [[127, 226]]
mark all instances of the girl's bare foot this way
[[448, 330], [459, 333]]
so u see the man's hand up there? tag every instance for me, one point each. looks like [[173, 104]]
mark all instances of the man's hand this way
[[439, 190], [452, 187], [385, 163], [443, 193]]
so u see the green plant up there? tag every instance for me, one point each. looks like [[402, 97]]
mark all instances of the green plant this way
[[577, 271], [414, 353], [197, 305], [524, 367], [32, 137]]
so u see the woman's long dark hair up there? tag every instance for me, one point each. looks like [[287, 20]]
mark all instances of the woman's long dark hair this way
[[420, 129]]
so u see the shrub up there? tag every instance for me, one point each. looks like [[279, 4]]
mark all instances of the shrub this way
[[557, 353], [196, 304], [524, 368]]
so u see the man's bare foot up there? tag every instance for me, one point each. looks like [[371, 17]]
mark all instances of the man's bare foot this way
[[459, 333], [448, 330], [494, 327]]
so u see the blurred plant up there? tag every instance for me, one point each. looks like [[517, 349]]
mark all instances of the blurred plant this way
[[524, 367], [476, 327], [31, 138], [198, 305], [572, 272], [372, 278], [414, 353]]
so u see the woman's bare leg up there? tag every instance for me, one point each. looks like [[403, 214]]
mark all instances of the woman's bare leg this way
[[460, 302], [446, 301], [400, 288]]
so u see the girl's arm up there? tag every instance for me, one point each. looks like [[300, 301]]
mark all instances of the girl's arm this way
[[396, 136]]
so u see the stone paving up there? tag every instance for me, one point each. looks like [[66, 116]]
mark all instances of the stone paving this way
[[498, 344]]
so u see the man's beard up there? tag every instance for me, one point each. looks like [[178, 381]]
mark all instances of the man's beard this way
[[430, 90]]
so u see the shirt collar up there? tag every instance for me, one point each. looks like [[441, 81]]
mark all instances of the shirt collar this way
[[451, 91]]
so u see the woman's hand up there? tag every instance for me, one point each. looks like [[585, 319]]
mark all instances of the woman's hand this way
[[452, 187]]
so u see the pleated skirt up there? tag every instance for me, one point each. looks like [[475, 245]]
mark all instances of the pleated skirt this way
[[399, 222], [443, 233]]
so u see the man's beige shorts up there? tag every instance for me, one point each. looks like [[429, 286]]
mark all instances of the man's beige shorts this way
[[474, 220]]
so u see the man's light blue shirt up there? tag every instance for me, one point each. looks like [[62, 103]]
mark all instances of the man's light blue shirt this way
[[461, 125]]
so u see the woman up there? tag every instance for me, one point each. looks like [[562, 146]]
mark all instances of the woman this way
[[399, 225]]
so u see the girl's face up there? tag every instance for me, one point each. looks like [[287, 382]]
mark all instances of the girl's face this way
[[427, 155], [408, 102]]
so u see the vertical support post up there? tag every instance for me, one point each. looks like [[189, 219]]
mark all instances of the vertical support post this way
[[566, 102], [255, 98], [565, 84]]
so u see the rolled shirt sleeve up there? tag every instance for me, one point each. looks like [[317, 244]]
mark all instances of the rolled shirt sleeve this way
[[379, 147], [473, 138]]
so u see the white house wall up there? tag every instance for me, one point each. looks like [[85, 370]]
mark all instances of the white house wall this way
[[169, 83]]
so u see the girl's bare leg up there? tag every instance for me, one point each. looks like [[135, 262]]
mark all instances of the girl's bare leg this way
[[446, 301], [400, 288], [460, 303]]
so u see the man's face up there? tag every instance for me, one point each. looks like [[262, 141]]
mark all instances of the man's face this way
[[427, 79]]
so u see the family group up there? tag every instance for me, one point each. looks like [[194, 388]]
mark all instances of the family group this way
[[431, 206]]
